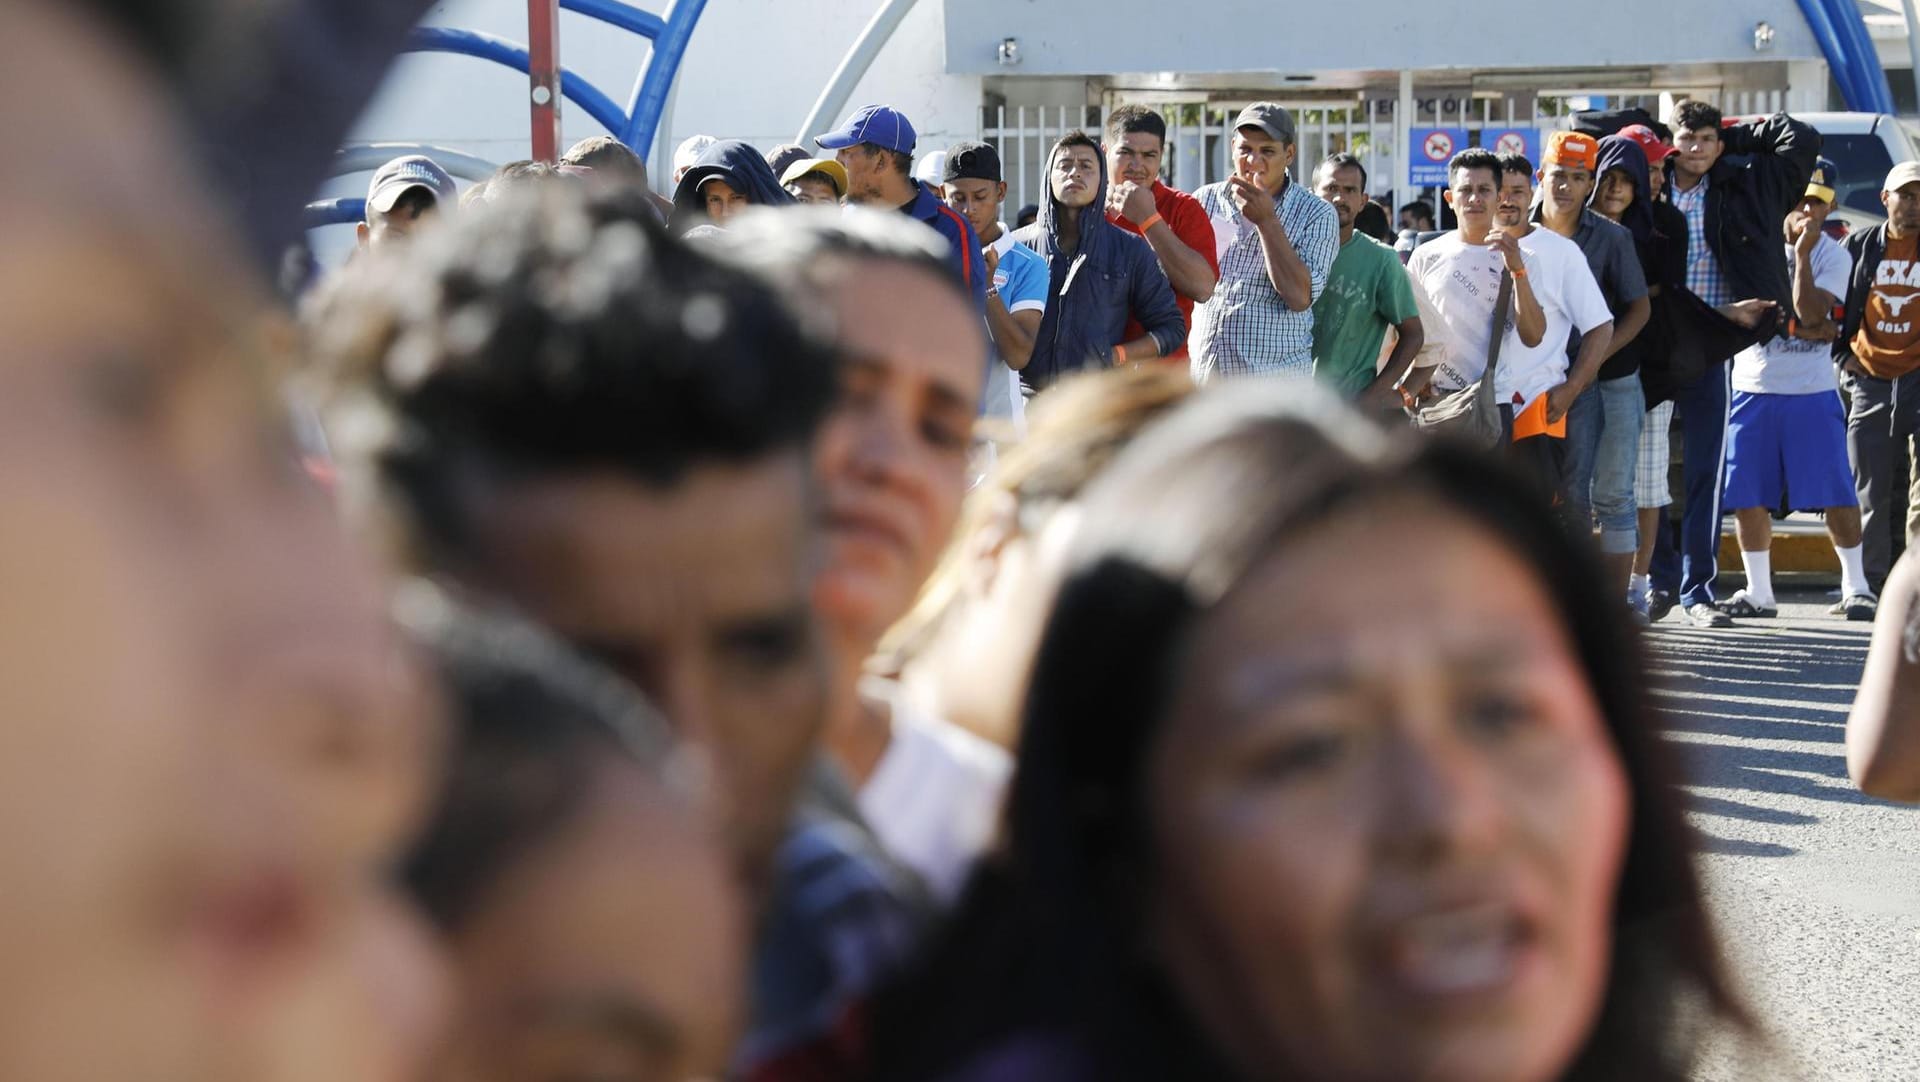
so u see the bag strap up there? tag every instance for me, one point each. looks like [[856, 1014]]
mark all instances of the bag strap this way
[[1502, 305]]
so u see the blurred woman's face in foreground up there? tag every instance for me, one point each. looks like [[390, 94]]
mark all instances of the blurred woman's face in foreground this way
[[212, 740], [209, 741], [1389, 821]]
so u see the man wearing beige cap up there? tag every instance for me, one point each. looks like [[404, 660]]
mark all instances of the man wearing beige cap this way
[[1276, 242], [1879, 356], [817, 181]]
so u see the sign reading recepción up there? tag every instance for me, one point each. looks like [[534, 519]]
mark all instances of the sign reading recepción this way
[[1432, 149]]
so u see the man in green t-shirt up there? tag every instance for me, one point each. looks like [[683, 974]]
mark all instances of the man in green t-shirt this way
[[1367, 292]]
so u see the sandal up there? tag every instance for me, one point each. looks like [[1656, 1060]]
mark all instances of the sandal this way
[[1741, 606]]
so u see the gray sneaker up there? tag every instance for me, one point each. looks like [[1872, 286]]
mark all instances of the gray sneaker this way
[[1704, 614], [1857, 607]]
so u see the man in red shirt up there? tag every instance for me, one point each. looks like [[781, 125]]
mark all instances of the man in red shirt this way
[[1171, 221]]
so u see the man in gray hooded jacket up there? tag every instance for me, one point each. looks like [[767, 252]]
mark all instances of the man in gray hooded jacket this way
[[1098, 275]]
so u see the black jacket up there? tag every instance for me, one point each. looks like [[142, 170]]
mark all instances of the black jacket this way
[[1110, 275], [1761, 175], [1866, 248]]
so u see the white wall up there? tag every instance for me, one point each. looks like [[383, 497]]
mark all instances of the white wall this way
[[1082, 37]]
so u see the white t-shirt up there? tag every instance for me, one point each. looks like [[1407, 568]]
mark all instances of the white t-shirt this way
[[1463, 282], [1795, 365], [934, 800]]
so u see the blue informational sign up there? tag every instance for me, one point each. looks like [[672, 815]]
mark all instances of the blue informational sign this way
[[1432, 149], [1522, 141]]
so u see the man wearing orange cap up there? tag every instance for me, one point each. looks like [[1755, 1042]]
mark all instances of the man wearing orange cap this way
[[1603, 419]]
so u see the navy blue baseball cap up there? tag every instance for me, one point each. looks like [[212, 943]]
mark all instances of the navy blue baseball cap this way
[[881, 125]]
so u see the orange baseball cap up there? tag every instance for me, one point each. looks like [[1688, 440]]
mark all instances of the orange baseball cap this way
[[1572, 149]]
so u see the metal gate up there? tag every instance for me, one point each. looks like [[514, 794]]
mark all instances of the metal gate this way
[[1200, 133], [1199, 139]]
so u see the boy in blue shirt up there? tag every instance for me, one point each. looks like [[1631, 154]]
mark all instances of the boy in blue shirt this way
[[1017, 287]]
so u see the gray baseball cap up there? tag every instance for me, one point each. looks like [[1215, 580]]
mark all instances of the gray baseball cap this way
[[402, 175], [1270, 117]]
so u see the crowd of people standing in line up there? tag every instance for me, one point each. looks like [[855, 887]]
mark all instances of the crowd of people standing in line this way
[[1299, 282], [650, 676]]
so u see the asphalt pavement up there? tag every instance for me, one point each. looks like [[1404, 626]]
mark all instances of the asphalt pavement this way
[[1815, 888]]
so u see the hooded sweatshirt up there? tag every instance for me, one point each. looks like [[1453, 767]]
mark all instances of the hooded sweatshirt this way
[[1683, 336], [1091, 292], [743, 168]]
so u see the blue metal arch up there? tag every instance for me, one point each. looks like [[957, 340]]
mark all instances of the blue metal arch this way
[[669, 34], [663, 65], [625, 16], [334, 212], [1841, 32], [440, 39]]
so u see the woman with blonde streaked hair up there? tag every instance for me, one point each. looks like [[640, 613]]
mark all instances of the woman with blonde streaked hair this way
[[963, 654], [982, 607]]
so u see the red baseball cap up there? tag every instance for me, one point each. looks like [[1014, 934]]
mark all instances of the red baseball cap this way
[[1650, 144]]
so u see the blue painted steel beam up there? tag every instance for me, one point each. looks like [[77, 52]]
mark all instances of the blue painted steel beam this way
[[1839, 58], [1872, 77], [440, 39], [334, 212], [625, 16], [650, 93]]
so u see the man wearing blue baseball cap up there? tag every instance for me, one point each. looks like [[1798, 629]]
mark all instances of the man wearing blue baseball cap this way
[[875, 147]]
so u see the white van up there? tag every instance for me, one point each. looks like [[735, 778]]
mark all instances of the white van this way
[[1863, 147]]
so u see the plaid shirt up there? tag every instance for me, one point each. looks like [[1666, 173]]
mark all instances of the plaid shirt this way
[[1704, 279], [1246, 329]]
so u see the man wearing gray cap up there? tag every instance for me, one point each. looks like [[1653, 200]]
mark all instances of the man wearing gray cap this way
[[1276, 243], [403, 191]]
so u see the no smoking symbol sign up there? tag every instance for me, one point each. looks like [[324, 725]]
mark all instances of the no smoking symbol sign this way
[[1439, 146], [1511, 143]]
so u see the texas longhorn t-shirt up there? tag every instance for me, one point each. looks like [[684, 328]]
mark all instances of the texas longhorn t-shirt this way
[[1888, 342]]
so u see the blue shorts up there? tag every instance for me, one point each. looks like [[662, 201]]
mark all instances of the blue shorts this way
[[1795, 441]]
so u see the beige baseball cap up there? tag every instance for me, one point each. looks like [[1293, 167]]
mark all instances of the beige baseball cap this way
[[1902, 175]]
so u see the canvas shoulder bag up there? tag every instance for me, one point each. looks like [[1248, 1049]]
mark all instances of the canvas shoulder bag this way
[[1471, 413]]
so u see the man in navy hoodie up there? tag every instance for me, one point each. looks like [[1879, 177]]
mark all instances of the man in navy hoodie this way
[[1098, 275]]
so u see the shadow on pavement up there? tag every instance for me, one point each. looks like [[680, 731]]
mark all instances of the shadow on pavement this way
[[1729, 699], [1727, 847], [1733, 809]]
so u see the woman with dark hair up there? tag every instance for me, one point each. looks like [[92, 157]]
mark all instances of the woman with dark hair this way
[[1335, 767], [594, 925]]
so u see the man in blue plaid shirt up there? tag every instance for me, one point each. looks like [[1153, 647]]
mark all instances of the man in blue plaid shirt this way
[[1276, 243]]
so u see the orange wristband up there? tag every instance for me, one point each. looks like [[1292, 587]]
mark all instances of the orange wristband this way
[[1119, 355], [1521, 273], [1151, 222]]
